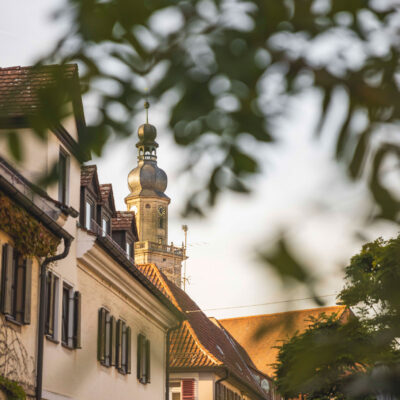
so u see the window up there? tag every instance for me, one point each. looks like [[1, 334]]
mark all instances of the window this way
[[143, 359], [71, 318], [114, 342], [175, 390], [161, 222], [105, 226], [123, 347], [16, 285], [63, 177], [89, 214], [223, 393], [52, 295], [129, 249]]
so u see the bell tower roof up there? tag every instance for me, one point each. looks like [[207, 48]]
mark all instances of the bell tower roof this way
[[147, 179]]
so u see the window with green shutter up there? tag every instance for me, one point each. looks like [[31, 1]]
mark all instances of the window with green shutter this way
[[114, 342], [16, 285], [71, 318], [143, 359], [52, 293]]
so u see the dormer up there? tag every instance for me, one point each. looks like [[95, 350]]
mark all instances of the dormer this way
[[124, 231], [90, 196], [106, 209]]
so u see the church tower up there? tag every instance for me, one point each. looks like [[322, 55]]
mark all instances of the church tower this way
[[147, 184]]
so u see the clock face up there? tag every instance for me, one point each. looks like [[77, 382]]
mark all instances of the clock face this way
[[161, 211]]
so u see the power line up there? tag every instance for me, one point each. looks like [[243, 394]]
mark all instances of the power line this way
[[261, 304]]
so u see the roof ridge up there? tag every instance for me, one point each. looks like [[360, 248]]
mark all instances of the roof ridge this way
[[19, 67], [284, 312], [164, 285]]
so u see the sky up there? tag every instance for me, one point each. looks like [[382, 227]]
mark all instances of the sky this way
[[300, 190]]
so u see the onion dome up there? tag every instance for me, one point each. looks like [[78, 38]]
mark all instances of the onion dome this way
[[147, 179]]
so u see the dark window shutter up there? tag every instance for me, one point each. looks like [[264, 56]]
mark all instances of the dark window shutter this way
[[147, 361], [128, 350], [113, 332], [28, 291], [119, 345], [77, 319], [6, 303], [101, 336], [187, 389], [139, 370], [50, 280]]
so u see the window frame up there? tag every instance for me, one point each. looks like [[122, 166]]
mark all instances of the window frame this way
[[72, 319], [63, 176], [143, 359], [52, 305], [16, 283], [91, 203]]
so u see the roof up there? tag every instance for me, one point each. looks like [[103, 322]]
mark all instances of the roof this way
[[200, 343], [123, 220], [87, 174], [20, 87], [259, 334], [107, 195]]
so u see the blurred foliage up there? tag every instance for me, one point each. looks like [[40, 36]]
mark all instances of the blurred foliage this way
[[342, 356], [230, 67], [226, 70]]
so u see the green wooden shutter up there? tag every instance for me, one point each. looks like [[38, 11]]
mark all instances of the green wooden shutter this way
[[139, 371], [128, 350], [6, 303], [50, 303], [28, 291], [101, 336], [113, 340], [119, 344], [148, 361], [77, 320]]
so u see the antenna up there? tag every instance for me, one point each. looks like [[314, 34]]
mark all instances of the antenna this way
[[185, 229]]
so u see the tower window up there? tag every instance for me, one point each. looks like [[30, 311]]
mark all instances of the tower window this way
[[148, 205], [161, 222]]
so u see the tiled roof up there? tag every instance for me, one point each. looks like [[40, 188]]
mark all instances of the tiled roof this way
[[106, 191], [200, 343], [20, 87], [259, 334], [87, 172], [123, 220]]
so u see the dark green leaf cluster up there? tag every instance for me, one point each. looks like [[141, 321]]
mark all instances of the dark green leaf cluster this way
[[355, 356], [12, 389], [231, 68]]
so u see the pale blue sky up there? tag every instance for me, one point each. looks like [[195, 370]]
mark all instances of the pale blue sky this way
[[299, 189]]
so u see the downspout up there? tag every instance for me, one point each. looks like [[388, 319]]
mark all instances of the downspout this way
[[42, 314], [167, 359], [224, 378]]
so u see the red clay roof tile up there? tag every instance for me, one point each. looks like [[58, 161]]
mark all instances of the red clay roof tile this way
[[200, 343]]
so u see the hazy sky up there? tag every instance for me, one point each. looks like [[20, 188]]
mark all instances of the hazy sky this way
[[300, 189]]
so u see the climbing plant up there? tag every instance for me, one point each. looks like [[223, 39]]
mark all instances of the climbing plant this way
[[30, 237], [12, 389]]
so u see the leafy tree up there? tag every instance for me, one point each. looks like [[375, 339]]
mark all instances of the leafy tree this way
[[358, 357]]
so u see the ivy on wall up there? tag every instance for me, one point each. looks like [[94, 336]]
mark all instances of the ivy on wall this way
[[30, 237], [12, 390]]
